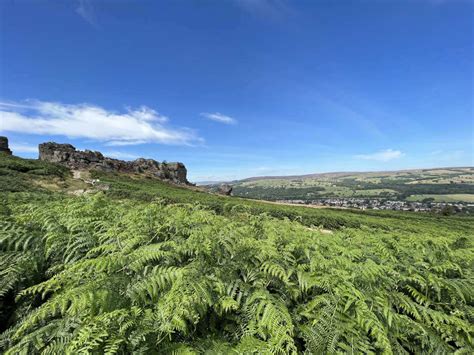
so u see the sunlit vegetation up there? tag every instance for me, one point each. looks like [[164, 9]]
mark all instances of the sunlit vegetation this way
[[443, 198], [22, 174], [147, 267], [391, 185]]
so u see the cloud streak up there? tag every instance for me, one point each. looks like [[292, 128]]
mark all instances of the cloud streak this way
[[23, 148], [381, 156], [86, 11], [362, 117], [218, 117], [120, 155], [134, 126], [272, 9]]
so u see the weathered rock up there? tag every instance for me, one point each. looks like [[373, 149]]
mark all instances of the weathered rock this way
[[56, 153], [225, 189], [67, 155], [4, 146]]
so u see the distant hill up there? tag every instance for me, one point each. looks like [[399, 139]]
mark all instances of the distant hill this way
[[338, 174], [214, 182], [454, 183]]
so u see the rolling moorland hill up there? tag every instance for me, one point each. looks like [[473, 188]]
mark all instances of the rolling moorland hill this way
[[437, 185], [126, 263]]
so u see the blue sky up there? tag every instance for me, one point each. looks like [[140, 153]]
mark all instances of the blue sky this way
[[239, 88]]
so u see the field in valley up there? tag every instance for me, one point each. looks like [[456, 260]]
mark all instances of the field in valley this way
[[444, 185], [443, 198]]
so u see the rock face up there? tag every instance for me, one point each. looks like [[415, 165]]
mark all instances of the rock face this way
[[4, 146], [67, 155], [225, 189]]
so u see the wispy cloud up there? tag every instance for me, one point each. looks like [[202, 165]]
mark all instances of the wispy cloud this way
[[219, 117], [272, 9], [382, 156], [439, 2], [86, 10], [134, 126], [361, 118], [120, 155], [23, 148], [445, 156]]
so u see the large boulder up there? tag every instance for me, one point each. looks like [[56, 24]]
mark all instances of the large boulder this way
[[4, 146], [56, 153], [225, 189], [176, 171]]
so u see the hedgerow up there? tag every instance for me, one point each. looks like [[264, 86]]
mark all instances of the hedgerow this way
[[99, 274]]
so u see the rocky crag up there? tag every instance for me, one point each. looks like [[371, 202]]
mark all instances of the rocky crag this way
[[67, 155], [4, 146]]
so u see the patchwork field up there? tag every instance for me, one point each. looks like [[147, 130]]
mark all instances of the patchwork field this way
[[444, 198], [398, 185]]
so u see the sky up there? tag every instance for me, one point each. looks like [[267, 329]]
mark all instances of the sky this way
[[240, 88]]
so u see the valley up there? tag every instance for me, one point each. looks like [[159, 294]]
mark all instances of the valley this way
[[408, 190]]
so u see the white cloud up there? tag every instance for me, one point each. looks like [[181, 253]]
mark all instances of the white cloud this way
[[218, 117], [23, 148], [383, 155], [123, 143], [135, 126]]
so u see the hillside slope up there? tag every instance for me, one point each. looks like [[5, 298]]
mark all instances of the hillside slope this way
[[149, 267], [448, 184]]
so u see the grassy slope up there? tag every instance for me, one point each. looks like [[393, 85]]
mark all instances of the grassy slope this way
[[444, 197], [146, 258], [148, 189], [18, 174]]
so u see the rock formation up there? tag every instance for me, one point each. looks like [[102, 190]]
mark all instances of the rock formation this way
[[225, 189], [4, 146], [67, 155]]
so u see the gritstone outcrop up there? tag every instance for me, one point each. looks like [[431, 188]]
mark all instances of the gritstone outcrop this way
[[67, 155]]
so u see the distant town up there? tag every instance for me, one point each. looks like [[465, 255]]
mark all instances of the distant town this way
[[393, 205]]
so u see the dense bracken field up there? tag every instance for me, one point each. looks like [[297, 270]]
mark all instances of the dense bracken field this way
[[150, 268]]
